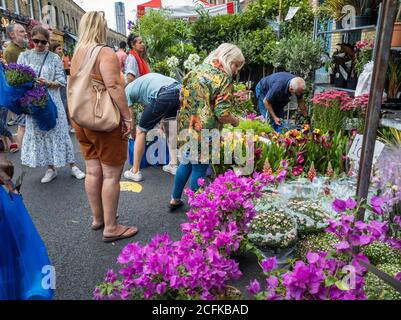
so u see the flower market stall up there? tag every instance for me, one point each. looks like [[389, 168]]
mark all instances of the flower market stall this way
[[321, 226]]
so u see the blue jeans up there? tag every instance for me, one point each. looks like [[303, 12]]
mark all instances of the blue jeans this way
[[196, 171], [165, 105], [263, 111], [261, 105]]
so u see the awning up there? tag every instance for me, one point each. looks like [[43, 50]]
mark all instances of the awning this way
[[186, 8], [72, 36]]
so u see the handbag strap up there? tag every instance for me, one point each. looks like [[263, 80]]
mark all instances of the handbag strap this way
[[43, 63], [90, 58]]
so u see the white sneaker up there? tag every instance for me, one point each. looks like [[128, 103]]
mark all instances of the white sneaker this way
[[133, 176], [49, 176], [77, 173], [170, 168]]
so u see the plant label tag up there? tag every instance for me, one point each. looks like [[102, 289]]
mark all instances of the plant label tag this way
[[291, 13], [356, 150]]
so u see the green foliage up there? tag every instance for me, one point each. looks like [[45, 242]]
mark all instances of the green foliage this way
[[255, 45], [382, 253], [160, 32], [161, 67], [258, 127], [298, 54], [209, 32], [328, 118], [329, 153], [377, 289], [269, 9]]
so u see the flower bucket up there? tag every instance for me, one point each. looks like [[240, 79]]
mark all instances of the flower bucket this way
[[154, 157], [396, 39]]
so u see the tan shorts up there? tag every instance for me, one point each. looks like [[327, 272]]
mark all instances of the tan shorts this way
[[109, 147]]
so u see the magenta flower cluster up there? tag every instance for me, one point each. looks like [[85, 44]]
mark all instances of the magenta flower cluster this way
[[198, 266]]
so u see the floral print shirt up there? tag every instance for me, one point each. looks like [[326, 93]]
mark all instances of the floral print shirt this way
[[205, 96]]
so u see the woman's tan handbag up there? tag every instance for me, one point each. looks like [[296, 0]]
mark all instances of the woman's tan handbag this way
[[89, 103]]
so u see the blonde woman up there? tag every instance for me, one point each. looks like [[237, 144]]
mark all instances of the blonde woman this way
[[105, 152], [206, 101]]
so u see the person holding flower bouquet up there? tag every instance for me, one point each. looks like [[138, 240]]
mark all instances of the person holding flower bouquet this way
[[52, 148]]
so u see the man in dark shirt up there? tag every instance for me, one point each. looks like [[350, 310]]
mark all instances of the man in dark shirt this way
[[274, 92]]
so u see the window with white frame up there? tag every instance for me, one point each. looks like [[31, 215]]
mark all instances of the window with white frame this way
[[31, 9], [16, 6], [2, 4], [40, 10]]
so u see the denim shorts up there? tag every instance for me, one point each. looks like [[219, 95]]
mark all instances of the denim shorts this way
[[165, 105]]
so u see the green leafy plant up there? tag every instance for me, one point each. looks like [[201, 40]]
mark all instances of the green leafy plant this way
[[394, 75], [390, 136], [161, 67], [298, 54]]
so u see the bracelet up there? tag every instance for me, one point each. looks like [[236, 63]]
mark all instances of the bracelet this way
[[127, 120]]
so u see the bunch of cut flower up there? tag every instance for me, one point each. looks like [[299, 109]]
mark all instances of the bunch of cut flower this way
[[15, 81], [26, 97], [272, 227]]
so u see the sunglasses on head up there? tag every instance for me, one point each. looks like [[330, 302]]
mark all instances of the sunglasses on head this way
[[37, 41]]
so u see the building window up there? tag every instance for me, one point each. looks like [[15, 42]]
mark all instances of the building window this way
[[16, 6], [31, 9], [40, 10], [2, 4], [63, 20], [68, 20], [57, 21]]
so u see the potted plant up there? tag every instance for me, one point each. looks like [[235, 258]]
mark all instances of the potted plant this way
[[396, 40]]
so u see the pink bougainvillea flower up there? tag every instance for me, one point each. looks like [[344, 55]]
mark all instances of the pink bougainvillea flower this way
[[269, 264], [339, 205]]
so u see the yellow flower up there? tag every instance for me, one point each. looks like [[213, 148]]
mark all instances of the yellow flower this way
[[256, 138], [186, 93], [317, 131]]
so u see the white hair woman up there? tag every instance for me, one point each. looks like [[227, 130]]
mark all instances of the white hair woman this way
[[105, 152], [206, 101]]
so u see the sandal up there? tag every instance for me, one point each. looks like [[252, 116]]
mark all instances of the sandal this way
[[174, 207], [124, 235], [14, 148]]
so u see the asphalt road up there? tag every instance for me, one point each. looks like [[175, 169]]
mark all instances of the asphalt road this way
[[61, 213]]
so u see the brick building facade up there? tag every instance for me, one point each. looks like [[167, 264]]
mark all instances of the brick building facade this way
[[61, 17]]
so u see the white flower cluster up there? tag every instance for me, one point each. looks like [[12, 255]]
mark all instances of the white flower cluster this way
[[191, 62], [173, 62], [309, 214], [272, 227]]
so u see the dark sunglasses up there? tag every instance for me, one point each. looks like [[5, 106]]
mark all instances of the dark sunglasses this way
[[37, 41]]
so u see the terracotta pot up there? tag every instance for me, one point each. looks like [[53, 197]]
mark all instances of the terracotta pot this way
[[396, 40]]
